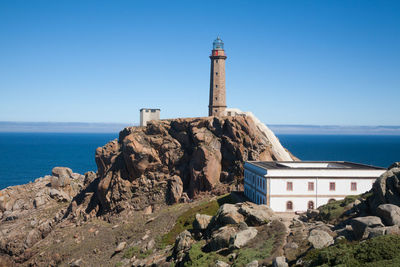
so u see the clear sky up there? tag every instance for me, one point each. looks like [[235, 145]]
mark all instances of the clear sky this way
[[289, 62]]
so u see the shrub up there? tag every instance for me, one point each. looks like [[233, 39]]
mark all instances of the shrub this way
[[185, 221], [379, 251]]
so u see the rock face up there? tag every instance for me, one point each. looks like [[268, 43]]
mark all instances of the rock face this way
[[221, 238], [386, 189], [228, 214], [320, 239], [361, 225], [169, 158], [389, 213], [255, 214], [29, 212], [201, 222], [243, 237]]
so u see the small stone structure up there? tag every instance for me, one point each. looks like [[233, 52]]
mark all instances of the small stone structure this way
[[149, 114]]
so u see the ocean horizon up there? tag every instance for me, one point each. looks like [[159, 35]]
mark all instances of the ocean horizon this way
[[27, 156]]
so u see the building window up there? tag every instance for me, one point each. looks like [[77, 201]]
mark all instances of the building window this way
[[216, 98], [310, 205], [353, 186], [310, 186], [289, 205], [216, 73], [289, 186], [216, 61], [216, 86], [332, 186]]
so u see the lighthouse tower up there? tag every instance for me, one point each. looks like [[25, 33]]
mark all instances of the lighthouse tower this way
[[217, 103]]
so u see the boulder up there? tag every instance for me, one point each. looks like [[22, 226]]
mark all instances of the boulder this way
[[389, 213], [221, 238], [255, 214], [219, 263], [59, 195], [175, 189], [386, 189], [252, 264], [201, 222], [374, 232], [183, 242], [360, 225], [243, 237], [121, 246], [392, 230], [320, 239], [61, 171], [228, 214], [279, 262]]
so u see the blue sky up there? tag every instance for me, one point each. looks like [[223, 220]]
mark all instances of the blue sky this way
[[289, 62]]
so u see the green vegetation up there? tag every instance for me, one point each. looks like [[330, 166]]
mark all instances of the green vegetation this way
[[379, 251], [262, 251], [268, 241], [334, 210], [136, 251], [198, 258], [185, 221]]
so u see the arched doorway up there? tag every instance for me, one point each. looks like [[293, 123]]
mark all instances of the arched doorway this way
[[310, 205], [289, 206]]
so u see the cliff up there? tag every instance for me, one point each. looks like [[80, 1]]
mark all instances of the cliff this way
[[173, 160]]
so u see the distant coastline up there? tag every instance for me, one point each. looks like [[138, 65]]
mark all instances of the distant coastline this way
[[87, 127]]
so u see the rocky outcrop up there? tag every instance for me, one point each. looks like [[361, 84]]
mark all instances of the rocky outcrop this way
[[386, 189], [30, 212], [221, 237], [279, 262], [166, 159], [243, 237], [320, 239], [255, 214], [361, 225], [389, 213], [201, 221], [228, 214]]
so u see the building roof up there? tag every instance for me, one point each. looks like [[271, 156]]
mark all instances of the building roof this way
[[149, 109], [313, 165]]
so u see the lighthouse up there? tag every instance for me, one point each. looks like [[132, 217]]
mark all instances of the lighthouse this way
[[217, 104]]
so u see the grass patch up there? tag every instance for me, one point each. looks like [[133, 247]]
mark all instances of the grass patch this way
[[379, 251], [198, 258], [185, 221], [247, 255], [136, 251], [333, 211]]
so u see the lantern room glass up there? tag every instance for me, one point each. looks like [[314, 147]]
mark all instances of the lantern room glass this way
[[218, 44]]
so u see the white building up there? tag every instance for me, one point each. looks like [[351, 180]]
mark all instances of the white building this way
[[149, 114], [301, 185]]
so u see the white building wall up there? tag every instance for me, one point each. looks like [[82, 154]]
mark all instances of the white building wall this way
[[148, 114], [278, 204], [300, 195]]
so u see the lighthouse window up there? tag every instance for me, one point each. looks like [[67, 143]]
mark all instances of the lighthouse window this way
[[216, 86], [216, 98], [216, 73]]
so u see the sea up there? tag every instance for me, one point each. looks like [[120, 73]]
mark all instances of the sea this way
[[27, 156]]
